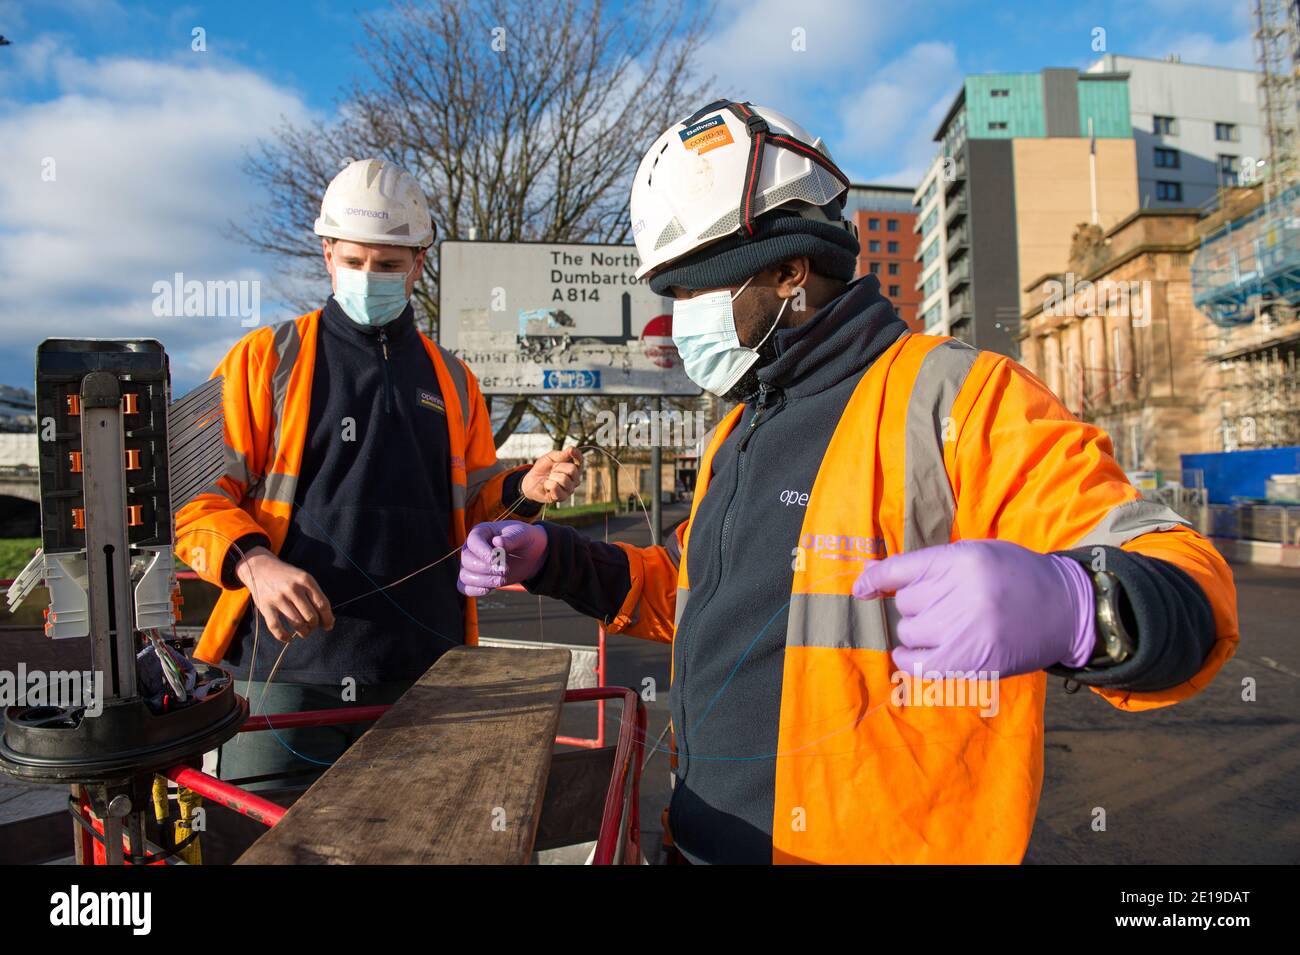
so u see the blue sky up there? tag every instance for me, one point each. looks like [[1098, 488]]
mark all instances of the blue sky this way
[[148, 135]]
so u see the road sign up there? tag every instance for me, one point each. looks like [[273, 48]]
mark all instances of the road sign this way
[[557, 319]]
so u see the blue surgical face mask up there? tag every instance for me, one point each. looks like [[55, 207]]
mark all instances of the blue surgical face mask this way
[[704, 330], [370, 298]]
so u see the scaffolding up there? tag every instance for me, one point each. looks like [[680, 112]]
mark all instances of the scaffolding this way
[[1277, 53], [1259, 398], [1246, 274], [1250, 260]]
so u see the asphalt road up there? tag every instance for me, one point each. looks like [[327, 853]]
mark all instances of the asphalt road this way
[[1215, 779]]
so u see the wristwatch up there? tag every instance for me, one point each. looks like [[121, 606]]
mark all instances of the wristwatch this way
[[1114, 643]]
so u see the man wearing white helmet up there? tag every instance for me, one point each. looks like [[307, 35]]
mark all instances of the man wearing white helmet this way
[[892, 541], [358, 453]]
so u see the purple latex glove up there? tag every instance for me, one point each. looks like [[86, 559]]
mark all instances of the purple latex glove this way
[[985, 605], [497, 553]]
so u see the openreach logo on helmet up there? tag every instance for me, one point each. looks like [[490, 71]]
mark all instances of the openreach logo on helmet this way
[[179, 297]]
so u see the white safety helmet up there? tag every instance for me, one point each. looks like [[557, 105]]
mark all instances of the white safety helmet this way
[[711, 175], [373, 200]]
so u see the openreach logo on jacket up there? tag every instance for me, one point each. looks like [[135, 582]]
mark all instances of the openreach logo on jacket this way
[[842, 546], [76, 908]]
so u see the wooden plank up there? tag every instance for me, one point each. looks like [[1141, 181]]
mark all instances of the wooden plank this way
[[453, 773]]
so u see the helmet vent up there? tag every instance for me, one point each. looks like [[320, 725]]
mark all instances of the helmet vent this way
[[671, 231], [817, 188]]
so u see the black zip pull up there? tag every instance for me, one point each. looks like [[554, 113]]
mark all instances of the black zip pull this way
[[759, 407], [388, 378]]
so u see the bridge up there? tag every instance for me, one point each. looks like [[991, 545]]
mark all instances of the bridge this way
[[20, 500]]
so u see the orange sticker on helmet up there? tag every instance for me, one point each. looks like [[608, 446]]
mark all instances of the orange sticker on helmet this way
[[706, 134]]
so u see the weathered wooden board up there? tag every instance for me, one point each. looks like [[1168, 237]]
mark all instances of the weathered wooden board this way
[[453, 773]]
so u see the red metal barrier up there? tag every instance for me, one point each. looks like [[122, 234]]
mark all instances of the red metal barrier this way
[[330, 717], [619, 841], [223, 793]]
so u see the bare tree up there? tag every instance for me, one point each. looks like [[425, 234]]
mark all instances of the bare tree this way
[[523, 120]]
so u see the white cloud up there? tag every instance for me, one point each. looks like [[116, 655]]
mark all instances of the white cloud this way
[[147, 162], [1231, 42], [886, 123], [772, 51], [893, 118], [1205, 50]]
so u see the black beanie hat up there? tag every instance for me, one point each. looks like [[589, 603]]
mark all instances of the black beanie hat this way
[[778, 237]]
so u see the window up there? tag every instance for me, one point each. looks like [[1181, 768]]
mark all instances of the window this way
[[873, 245], [1225, 132], [999, 94], [894, 291], [1164, 125], [891, 225], [873, 225], [1169, 191], [997, 125], [930, 253], [875, 268], [893, 268], [1228, 166], [1167, 158], [892, 247]]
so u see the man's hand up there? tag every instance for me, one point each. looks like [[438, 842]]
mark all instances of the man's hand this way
[[553, 477], [497, 553], [284, 594], [985, 605]]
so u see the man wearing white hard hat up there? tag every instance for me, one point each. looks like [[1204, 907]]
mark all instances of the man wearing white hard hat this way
[[894, 538], [358, 453]]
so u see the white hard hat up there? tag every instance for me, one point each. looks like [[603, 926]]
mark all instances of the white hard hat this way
[[711, 175], [373, 200]]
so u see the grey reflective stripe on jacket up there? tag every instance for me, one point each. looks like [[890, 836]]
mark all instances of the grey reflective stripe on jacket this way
[[480, 477], [842, 621], [460, 380], [463, 495], [674, 548], [275, 486], [287, 344], [234, 467], [928, 505], [683, 595], [1131, 519]]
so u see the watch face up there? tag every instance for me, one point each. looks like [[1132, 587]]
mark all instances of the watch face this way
[[1117, 644]]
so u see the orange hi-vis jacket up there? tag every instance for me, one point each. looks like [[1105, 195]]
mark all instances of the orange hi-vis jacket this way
[[939, 442], [267, 398]]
